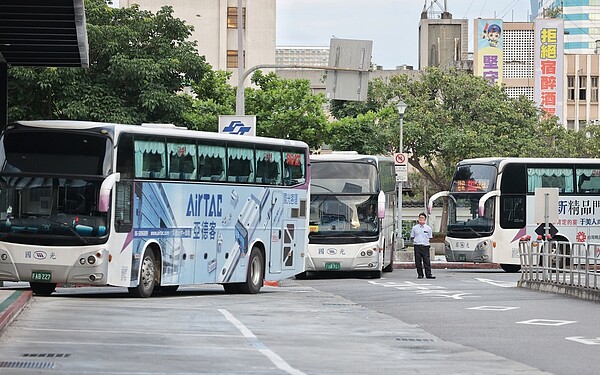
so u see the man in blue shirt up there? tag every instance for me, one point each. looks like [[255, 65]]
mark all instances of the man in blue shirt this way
[[420, 234]]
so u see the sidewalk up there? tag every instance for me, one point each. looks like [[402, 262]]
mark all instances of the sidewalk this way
[[13, 297]]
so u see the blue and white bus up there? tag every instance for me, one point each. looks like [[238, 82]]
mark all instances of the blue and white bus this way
[[352, 214], [149, 207]]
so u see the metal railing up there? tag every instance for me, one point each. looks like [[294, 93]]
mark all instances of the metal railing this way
[[570, 268]]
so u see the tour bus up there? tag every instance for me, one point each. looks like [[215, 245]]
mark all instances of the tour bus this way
[[149, 207], [352, 214], [491, 206]]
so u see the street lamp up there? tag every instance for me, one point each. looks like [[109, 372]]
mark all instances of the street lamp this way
[[401, 106]]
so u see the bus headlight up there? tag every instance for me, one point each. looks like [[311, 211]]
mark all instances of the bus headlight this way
[[91, 259], [369, 252]]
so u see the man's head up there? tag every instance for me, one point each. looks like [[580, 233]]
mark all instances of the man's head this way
[[422, 218]]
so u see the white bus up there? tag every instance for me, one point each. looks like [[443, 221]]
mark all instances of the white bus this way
[[491, 206], [149, 207], [352, 214]]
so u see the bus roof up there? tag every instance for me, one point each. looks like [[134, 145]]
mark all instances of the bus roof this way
[[348, 157], [498, 161], [156, 129]]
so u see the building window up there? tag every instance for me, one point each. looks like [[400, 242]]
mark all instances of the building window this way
[[594, 89], [570, 88], [232, 58], [232, 17], [582, 87]]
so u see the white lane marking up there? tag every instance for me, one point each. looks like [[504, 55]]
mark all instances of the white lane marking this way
[[582, 340], [493, 308], [547, 322], [502, 284], [434, 291], [273, 357]]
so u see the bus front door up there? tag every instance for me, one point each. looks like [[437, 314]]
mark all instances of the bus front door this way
[[277, 228]]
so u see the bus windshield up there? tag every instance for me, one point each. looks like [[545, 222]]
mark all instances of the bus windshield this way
[[464, 220], [49, 187], [332, 215], [474, 178], [346, 177]]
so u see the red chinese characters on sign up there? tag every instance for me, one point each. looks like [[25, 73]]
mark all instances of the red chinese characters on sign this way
[[548, 59], [471, 185]]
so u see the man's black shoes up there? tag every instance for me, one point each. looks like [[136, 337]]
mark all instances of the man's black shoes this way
[[420, 277], [431, 277]]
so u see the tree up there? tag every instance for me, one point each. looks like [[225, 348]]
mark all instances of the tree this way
[[140, 64], [286, 109]]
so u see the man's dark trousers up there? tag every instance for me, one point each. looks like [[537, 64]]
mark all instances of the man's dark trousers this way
[[422, 259]]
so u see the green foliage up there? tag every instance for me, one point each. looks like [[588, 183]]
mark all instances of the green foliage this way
[[140, 63], [286, 109]]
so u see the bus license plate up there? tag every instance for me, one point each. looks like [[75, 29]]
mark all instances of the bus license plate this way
[[332, 266], [41, 276]]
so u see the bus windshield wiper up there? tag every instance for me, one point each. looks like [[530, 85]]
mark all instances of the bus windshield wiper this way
[[65, 225]]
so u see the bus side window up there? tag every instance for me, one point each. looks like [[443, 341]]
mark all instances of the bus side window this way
[[294, 168], [211, 162], [240, 165], [150, 158], [125, 156], [268, 167], [512, 213], [182, 160], [124, 207]]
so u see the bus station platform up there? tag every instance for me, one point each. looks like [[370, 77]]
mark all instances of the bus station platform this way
[[13, 297]]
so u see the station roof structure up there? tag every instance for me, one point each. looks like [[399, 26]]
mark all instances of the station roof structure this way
[[48, 33]]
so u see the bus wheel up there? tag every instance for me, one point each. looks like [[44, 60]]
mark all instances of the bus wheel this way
[[510, 268], [42, 289], [147, 279], [255, 275]]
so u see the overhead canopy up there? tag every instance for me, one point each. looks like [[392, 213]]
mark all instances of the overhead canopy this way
[[43, 33]]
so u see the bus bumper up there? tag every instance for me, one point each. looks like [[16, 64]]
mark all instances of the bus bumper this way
[[481, 254]]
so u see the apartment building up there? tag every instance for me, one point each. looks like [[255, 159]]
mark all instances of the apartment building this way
[[215, 25], [302, 55]]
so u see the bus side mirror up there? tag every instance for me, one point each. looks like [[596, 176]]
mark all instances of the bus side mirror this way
[[105, 189], [381, 205]]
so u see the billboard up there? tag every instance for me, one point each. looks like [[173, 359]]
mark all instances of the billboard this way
[[548, 66], [490, 44]]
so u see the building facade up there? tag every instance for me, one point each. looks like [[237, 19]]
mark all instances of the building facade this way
[[443, 42], [216, 31], [302, 55], [582, 22]]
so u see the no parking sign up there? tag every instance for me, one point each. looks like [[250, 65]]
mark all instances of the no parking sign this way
[[401, 167]]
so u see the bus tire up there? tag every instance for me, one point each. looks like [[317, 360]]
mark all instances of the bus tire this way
[[255, 275], [42, 289], [510, 268], [147, 279]]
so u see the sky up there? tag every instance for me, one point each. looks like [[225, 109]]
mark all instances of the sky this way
[[392, 25]]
